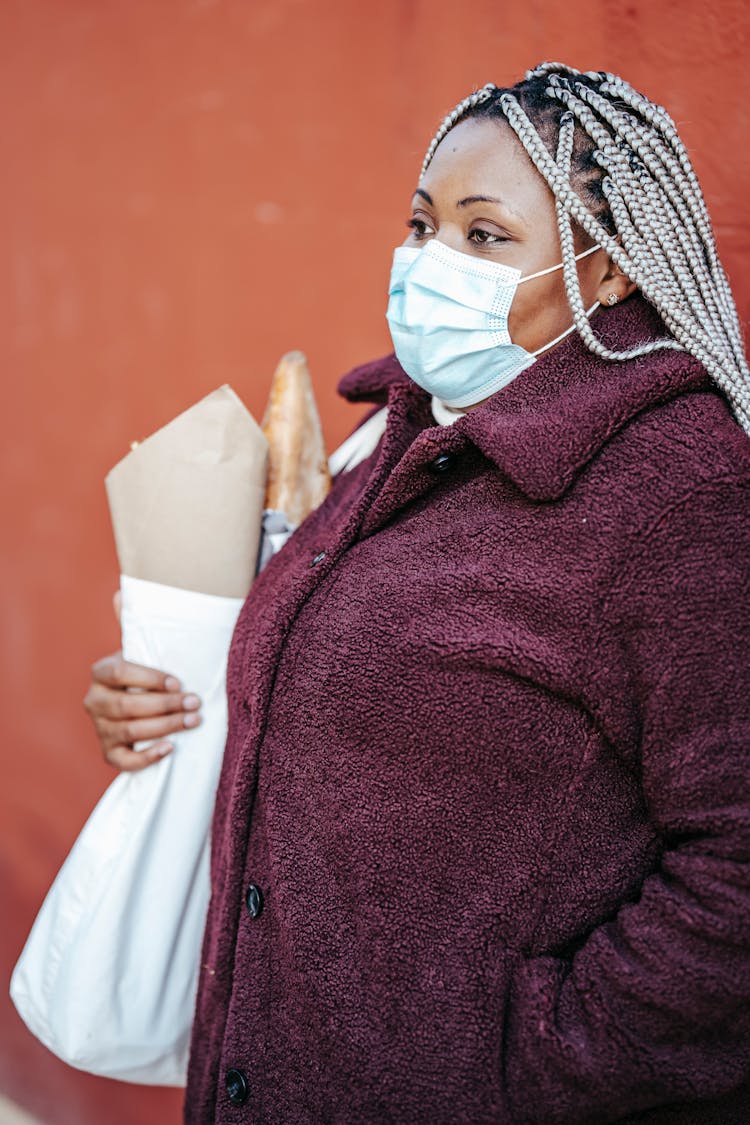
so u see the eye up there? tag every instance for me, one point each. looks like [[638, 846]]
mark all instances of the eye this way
[[420, 228], [485, 237]]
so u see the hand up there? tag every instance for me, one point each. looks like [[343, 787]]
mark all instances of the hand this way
[[130, 703]]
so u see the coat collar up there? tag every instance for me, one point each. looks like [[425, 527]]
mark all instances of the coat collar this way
[[544, 427]]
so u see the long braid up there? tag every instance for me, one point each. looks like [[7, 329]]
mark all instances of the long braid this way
[[570, 265], [617, 169], [696, 236], [639, 213]]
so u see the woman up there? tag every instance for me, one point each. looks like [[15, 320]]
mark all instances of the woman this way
[[480, 843]]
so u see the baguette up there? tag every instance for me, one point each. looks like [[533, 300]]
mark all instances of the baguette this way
[[298, 476]]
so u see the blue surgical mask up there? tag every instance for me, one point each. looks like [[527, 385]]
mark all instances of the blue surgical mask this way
[[448, 316]]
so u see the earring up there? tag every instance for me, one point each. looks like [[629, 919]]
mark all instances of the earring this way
[[612, 299]]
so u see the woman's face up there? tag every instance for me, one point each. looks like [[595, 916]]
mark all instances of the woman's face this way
[[482, 196]]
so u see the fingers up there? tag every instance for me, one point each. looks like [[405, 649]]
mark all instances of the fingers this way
[[129, 703], [127, 760], [129, 731], [117, 605], [118, 738], [118, 673], [111, 703]]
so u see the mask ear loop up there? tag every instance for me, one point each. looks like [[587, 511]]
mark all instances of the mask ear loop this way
[[565, 226], [568, 331], [560, 265], [569, 256]]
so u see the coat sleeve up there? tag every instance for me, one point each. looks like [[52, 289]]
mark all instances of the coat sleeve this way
[[653, 1009]]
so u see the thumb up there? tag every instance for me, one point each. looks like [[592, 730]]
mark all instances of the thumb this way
[[117, 605]]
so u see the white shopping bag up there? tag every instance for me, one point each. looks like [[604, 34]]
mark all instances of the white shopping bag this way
[[108, 976]]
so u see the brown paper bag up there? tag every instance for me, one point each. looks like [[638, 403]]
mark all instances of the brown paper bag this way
[[187, 503]]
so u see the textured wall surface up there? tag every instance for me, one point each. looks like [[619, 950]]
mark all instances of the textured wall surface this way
[[189, 189]]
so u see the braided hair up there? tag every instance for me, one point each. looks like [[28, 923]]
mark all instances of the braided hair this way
[[617, 168]]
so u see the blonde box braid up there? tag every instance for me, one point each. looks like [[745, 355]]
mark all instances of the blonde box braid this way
[[617, 168]]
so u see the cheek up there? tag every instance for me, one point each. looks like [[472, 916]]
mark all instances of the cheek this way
[[539, 312]]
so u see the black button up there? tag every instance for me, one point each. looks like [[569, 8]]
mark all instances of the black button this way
[[442, 463], [318, 558], [254, 900], [238, 1090]]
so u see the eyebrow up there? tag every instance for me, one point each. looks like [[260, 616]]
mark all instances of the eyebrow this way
[[480, 199], [469, 200]]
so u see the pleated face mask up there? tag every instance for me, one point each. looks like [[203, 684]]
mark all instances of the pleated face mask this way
[[448, 316]]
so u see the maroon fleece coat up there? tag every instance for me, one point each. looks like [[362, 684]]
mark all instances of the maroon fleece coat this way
[[486, 774]]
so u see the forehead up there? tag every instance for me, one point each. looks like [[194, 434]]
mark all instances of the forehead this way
[[484, 157]]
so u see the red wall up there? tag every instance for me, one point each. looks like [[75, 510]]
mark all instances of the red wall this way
[[190, 188]]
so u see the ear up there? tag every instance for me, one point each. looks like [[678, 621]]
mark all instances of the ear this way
[[614, 286]]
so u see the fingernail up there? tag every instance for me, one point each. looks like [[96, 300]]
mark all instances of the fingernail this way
[[191, 702], [191, 720], [162, 751], [171, 684]]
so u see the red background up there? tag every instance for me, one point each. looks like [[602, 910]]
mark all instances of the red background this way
[[190, 188]]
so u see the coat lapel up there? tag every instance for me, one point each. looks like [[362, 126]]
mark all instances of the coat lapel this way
[[548, 424]]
